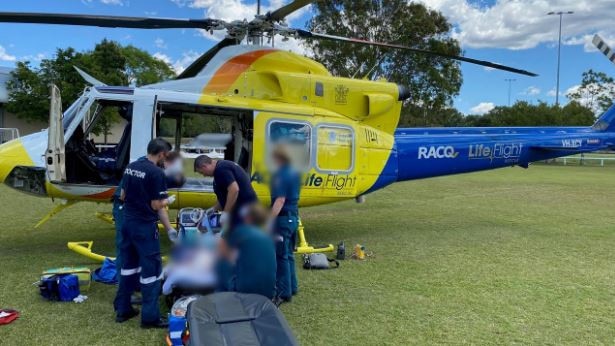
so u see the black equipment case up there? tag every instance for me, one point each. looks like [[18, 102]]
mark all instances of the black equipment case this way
[[233, 319]]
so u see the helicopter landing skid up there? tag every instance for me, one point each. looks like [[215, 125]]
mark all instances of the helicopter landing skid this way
[[84, 248], [55, 211], [106, 217], [304, 247]]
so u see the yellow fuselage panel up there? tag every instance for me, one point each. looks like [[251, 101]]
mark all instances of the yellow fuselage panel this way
[[13, 154], [352, 123]]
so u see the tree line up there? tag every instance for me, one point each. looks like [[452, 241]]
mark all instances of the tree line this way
[[434, 82], [109, 62]]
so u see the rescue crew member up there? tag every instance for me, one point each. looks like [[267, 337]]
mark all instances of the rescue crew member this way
[[251, 253], [232, 188], [118, 221], [285, 186], [174, 170], [144, 192]]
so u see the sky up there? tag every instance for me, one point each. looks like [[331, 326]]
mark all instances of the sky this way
[[518, 33]]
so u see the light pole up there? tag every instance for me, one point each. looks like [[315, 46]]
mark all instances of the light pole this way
[[559, 50], [509, 80]]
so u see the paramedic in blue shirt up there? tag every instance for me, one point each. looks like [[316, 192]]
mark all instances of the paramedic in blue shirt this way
[[251, 254], [232, 187], [144, 192], [285, 186]]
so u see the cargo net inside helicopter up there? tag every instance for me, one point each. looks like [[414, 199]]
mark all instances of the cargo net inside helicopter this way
[[193, 130]]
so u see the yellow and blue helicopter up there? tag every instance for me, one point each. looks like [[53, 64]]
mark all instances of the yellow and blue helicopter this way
[[343, 132]]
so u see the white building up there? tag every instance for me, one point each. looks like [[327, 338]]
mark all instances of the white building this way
[[8, 120]]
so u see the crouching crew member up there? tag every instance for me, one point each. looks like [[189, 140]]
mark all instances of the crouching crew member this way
[[144, 192], [251, 253], [232, 188], [285, 188]]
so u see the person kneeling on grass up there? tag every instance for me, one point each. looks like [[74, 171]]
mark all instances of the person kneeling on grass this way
[[249, 253]]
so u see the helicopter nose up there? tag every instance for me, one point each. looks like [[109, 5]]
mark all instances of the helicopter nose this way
[[12, 154]]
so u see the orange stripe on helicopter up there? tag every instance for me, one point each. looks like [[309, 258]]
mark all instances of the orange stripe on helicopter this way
[[102, 195], [228, 73]]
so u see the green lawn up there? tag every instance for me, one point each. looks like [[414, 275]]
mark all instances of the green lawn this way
[[504, 257]]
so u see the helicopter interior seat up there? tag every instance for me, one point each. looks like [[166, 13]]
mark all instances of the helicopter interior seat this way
[[123, 151], [79, 166], [111, 162], [241, 143]]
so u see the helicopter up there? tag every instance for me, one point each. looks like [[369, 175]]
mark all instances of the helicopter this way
[[342, 132]]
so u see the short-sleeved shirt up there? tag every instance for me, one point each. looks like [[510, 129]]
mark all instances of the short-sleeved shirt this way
[[143, 182], [118, 190], [226, 173], [286, 182], [255, 268]]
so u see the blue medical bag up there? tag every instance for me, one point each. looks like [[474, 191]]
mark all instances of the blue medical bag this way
[[68, 287], [62, 288]]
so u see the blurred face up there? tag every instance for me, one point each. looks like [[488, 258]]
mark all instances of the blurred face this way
[[207, 169], [278, 161], [170, 162], [160, 158]]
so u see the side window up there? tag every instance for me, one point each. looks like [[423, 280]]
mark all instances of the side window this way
[[335, 151], [297, 137]]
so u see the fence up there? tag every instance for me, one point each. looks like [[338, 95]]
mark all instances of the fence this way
[[8, 135], [585, 159]]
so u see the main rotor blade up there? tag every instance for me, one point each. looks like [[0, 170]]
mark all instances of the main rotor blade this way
[[308, 34], [604, 48], [284, 11], [108, 21], [200, 63]]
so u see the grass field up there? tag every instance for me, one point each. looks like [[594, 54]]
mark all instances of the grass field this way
[[504, 257]]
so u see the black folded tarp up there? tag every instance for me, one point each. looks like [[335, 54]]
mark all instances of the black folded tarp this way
[[234, 319]]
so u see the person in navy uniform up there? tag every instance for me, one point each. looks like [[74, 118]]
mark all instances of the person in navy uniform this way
[[232, 188], [118, 221], [285, 187], [144, 192], [251, 254], [175, 179]]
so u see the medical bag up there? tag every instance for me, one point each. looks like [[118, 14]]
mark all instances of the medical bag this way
[[8, 315], [83, 273], [178, 331], [59, 287]]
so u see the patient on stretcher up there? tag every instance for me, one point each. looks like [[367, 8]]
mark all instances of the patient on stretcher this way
[[192, 263]]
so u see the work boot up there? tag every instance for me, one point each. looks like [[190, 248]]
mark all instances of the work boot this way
[[162, 323], [125, 317]]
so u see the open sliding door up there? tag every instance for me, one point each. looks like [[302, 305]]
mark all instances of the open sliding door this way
[[55, 154]]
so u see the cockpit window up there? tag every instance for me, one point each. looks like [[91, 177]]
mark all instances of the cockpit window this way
[[72, 111]]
